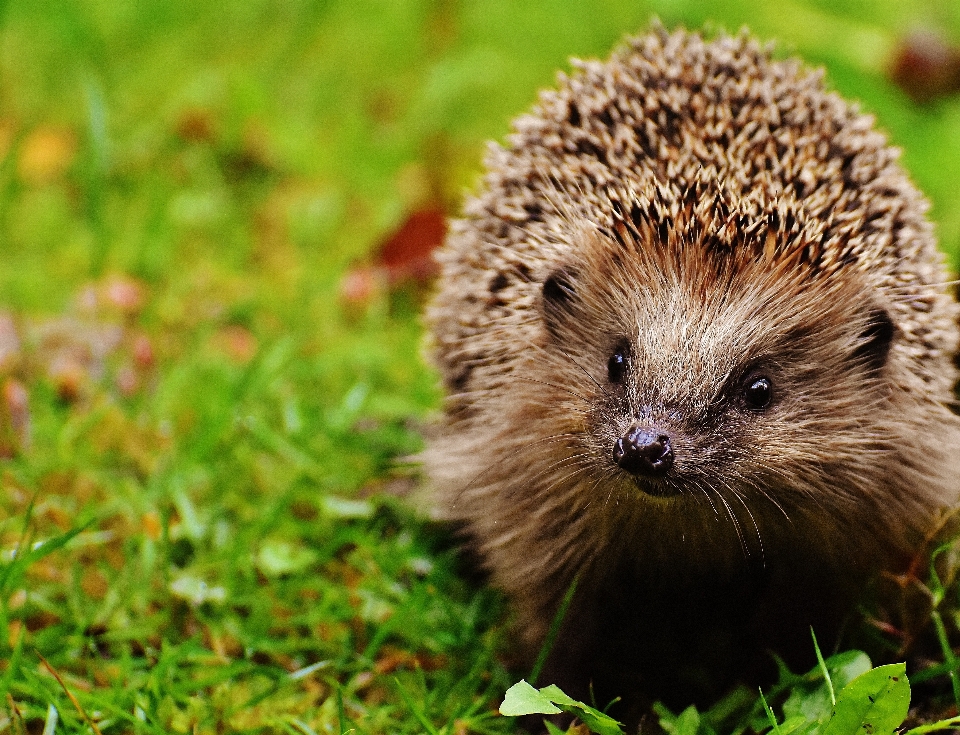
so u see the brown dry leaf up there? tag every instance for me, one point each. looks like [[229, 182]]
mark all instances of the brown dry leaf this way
[[17, 600], [224, 645], [105, 674], [196, 125], [14, 631], [94, 583], [40, 620], [46, 154], [152, 526], [391, 659], [116, 432], [926, 66], [317, 690], [61, 518], [69, 377]]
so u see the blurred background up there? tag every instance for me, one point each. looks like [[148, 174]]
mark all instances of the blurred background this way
[[215, 228], [146, 136]]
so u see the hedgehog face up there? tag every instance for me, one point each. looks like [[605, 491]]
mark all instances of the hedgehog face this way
[[701, 381]]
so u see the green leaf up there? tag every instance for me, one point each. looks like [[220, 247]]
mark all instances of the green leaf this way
[[277, 558], [688, 722], [523, 699], [594, 719], [875, 703], [812, 701], [798, 724]]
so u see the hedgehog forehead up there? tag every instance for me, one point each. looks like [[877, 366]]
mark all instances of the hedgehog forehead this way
[[698, 315]]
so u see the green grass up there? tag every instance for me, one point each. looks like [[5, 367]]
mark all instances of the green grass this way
[[199, 532]]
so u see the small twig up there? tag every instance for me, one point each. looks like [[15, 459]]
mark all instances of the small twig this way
[[83, 714], [15, 717]]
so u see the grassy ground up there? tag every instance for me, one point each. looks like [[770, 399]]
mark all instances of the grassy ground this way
[[199, 433]]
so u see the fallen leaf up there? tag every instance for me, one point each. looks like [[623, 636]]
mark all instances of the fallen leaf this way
[[407, 253], [926, 66], [68, 375], [94, 584], [196, 125], [152, 526]]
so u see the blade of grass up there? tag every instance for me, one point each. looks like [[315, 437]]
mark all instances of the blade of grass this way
[[415, 709], [554, 631], [823, 668]]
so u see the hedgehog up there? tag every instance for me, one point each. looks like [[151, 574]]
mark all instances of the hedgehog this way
[[697, 343]]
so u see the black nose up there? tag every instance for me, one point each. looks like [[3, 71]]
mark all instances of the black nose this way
[[643, 452]]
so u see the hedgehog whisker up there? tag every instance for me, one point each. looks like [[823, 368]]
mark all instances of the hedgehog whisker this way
[[499, 463], [702, 489], [753, 521], [584, 371], [912, 288], [560, 464], [744, 547], [550, 385], [565, 478]]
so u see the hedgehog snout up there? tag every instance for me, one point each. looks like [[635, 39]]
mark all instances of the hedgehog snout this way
[[644, 450]]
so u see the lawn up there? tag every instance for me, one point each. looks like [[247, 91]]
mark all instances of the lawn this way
[[210, 368]]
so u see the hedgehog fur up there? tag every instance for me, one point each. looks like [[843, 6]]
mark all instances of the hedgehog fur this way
[[695, 250]]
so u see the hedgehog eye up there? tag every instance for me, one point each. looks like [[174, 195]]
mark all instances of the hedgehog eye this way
[[757, 391], [617, 365]]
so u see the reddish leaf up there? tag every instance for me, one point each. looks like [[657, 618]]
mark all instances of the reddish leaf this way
[[407, 253], [926, 67]]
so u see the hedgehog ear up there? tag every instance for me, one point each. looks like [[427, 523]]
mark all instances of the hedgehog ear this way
[[875, 340], [559, 297]]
